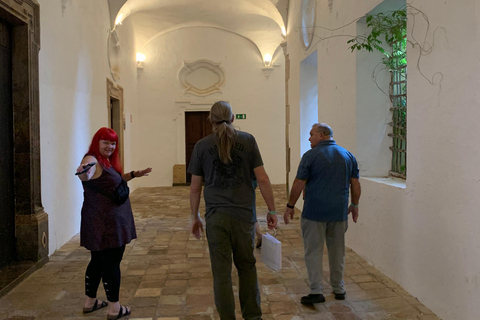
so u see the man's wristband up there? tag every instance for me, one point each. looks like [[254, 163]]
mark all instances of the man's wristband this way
[[290, 206], [132, 174], [272, 212], [354, 205]]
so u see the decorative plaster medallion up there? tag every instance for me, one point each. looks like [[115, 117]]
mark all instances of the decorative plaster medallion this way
[[201, 78], [309, 10], [114, 55]]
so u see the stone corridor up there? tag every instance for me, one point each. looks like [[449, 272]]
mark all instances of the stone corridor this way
[[166, 275]]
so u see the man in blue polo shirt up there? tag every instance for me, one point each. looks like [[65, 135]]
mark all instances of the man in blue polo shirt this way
[[327, 172]]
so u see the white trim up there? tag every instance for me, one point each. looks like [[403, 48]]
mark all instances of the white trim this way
[[391, 181]]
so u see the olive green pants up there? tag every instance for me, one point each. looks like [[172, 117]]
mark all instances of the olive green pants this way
[[229, 237]]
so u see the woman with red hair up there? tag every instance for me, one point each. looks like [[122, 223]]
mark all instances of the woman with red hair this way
[[107, 226]]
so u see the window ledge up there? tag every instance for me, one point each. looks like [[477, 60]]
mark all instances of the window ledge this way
[[391, 181]]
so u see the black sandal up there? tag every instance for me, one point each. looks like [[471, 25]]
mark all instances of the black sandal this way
[[121, 314], [95, 307]]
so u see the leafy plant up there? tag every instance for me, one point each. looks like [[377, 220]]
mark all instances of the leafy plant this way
[[388, 35], [392, 26]]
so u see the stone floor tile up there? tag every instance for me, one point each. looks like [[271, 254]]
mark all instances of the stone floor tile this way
[[171, 311], [148, 292], [427, 317], [166, 275], [346, 316], [172, 300], [359, 278], [279, 297], [372, 285], [393, 303], [174, 290], [283, 307]]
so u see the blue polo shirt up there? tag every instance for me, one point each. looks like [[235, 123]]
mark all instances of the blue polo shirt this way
[[327, 168]]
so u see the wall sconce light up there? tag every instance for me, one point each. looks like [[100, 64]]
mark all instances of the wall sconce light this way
[[140, 59], [119, 19], [267, 65], [284, 32], [267, 60]]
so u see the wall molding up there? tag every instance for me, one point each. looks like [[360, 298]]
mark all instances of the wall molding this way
[[192, 67], [113, 54]]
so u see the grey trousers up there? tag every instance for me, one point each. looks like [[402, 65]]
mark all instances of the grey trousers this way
[[314, 235], [228, 236]]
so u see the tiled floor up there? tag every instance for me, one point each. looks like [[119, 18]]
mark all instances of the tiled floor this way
[[166, 275]]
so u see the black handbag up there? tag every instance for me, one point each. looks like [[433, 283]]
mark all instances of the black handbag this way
[[121, 193], [119, 196]]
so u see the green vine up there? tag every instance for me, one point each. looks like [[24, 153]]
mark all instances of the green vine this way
[[393, 27], [388, 35]]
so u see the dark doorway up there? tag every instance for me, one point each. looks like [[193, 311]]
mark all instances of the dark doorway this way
[[116, 123], [7, 204], [197, 126], [116, 119]]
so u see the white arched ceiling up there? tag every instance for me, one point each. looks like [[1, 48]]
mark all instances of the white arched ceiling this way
[[257, 20]]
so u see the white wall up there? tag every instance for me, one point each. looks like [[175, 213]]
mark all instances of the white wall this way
[[423, 235], [373, 112], [128, 81], [308, 99], [246, 88], [73, 104]]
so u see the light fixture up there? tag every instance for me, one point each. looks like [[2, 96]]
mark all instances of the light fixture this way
[[140, 59], [267, 65], [119, 19], [267, 60], [284, 32]]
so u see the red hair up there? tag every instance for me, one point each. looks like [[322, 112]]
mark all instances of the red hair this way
[[94, 150]]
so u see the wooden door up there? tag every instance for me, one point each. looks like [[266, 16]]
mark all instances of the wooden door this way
[[197, 126], [116, 122], [7, 205]]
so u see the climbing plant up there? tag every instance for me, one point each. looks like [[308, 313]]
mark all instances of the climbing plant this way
[[388, 35], [392, 28]]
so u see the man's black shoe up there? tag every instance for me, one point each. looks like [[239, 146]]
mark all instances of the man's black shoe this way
[[340, 296], [312, 298]]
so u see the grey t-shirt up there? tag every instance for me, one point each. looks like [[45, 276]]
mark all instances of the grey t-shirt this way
[[228, 187]]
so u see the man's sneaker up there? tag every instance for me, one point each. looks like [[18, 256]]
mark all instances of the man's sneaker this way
[[312, 298], [340, 296]]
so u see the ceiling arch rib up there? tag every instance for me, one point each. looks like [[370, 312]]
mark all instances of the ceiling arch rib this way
[[186, 26], [257, 20]]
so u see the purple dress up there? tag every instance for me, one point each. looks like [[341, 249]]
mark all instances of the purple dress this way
[[105, 224]]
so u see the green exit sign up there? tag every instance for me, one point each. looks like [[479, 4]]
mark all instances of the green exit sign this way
[[241, 116]]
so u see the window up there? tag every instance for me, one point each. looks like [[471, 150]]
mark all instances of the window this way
[[380, 47], [398, 96]]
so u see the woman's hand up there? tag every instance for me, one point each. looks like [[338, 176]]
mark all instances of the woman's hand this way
[[141, 173], [88, 164]]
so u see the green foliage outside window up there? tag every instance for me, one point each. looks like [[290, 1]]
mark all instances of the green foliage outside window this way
[[388, 35]]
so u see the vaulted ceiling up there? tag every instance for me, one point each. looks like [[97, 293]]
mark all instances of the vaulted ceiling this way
[[260, 21]]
